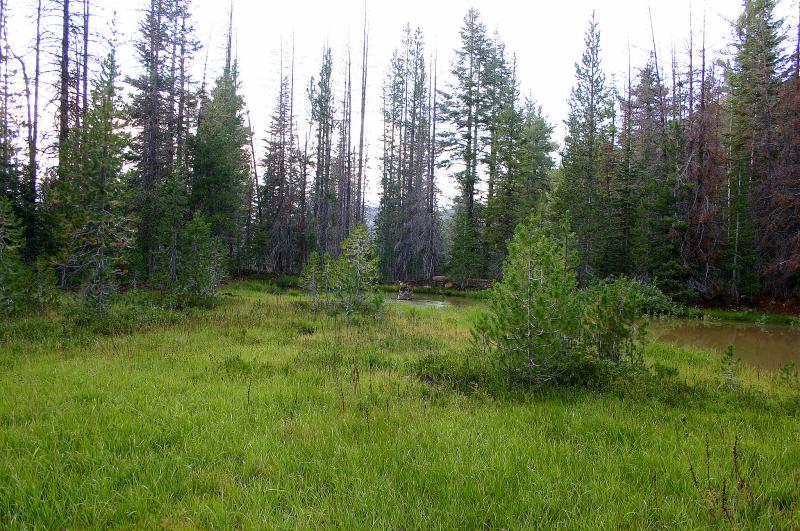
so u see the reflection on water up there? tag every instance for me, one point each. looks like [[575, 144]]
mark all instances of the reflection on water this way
[[435, 301], [767, 347]]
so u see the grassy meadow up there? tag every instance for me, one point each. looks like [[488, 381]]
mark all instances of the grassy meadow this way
[[260, 413]]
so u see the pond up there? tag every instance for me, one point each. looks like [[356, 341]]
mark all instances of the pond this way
[[765, 347], [768, 347], [435, 301]]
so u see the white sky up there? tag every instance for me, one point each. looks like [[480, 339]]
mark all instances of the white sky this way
[[546, 36]]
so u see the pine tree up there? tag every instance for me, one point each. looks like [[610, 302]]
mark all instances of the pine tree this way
[[403, 237], [654, 150], [96, 231], [582, 191], [11, 267], [466, 108], [220, 161], [783, 267], [11, 173], [704, 189], [200, 263], [356, 273], [162, 113], [323, 197], [755, 83], [533, 321], [173, 206], [279, 194], [521, 163]]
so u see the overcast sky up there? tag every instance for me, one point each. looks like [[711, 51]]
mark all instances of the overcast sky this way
[[547, 37]]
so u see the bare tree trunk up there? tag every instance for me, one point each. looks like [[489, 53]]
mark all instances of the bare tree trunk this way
[[346, 164], [797, 51], [172, 125], [4, 52], [658, 75], [361, 182], [303, 184], [63, 121], [255, 171], [33, 147], [85, 65], [691, 65], [180, 135]]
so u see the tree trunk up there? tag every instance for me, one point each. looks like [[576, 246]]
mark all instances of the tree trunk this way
[[63, 121]]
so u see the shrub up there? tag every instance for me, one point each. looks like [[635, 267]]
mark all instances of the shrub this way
[[541, 328], [22, 287], [613, 323], [464, 373], [355, 275], [729, 367], [200, 265], [313, 279], [127, 313]]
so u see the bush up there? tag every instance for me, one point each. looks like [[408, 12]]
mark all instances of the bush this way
[[314, 278], [543, 329], [130, 312], [464, 374], [22, 288], [199, 269], [612, 320]]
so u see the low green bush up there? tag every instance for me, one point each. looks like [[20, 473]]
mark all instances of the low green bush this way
[[542, 329], [133, 311]]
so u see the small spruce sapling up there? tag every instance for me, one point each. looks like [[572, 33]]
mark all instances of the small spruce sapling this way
[[533, 320], [201, 268], [356, 273]]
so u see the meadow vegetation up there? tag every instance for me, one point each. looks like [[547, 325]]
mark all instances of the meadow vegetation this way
[[261, 411]]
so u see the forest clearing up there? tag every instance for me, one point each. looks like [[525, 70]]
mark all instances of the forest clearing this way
[[352, 265], [262, 411]]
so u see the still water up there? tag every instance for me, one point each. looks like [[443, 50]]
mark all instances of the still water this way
[[766, 347], [436, 301]]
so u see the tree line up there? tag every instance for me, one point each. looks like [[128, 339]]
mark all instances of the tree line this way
[[686, 177]]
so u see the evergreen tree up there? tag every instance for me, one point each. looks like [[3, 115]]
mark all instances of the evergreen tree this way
[[220, 161], [403, 225], [173, 205], [356, 273], [784, 200], [466, 108], [200, 263], [280, 194], [11, 266], [585, 177], [533, 323], [96, 230], [323, 197], [22, 287], [522, 165], [755, 83], [162, 113], [704, 191], [655, 249]]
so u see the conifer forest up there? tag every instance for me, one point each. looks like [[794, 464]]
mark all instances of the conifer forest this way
[[683, 174], [598, 317]]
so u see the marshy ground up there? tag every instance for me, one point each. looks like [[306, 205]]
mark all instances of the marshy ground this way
[[260, 413]]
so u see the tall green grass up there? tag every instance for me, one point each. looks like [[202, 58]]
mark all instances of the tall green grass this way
[[262, 414], [739, 316]]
